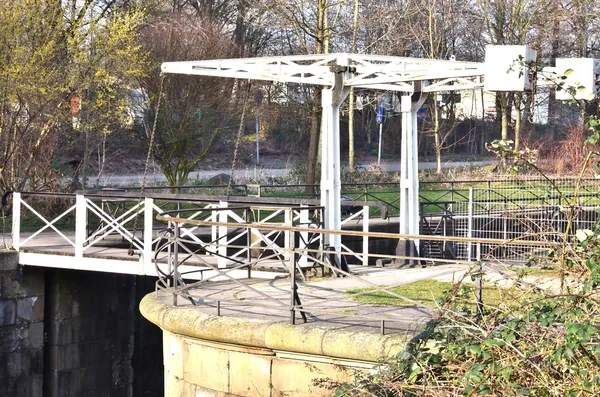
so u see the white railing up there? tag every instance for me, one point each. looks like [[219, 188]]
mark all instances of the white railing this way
[[79, 225]]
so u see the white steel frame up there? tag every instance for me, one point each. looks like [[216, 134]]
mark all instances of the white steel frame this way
[[338, 73]]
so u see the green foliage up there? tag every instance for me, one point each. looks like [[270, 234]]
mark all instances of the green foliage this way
[[61, 68]]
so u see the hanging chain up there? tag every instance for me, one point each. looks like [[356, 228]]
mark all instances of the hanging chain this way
[[148, 157], [533, 80], [238, 139], [4, 244]]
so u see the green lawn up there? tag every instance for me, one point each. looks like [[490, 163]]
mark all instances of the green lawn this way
[[430, 292]]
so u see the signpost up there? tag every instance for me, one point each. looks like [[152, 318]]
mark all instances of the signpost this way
[[380, 122]]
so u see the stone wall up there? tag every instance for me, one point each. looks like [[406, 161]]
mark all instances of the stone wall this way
[[213, 356], [95, 336], [21, 328], [67, 333]]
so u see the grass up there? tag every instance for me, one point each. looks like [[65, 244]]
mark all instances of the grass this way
[[431, 292]]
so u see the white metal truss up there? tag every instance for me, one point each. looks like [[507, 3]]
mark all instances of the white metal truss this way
[[338, 73]]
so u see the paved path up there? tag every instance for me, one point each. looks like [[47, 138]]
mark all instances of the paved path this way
[[270, 170]]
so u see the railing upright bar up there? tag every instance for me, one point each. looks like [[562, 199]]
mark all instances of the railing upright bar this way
[[148, 228], [80, 224], [365, 257], [175, 260], [292, 267], [470, 225], [222, 242], [16, 221]]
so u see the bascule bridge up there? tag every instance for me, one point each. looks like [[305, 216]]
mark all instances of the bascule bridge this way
[[229, 281]]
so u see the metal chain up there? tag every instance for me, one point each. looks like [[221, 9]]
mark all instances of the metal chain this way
[[148, 156], [238, 139], [4, 228]]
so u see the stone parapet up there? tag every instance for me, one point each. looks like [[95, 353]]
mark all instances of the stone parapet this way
[[228, 356]]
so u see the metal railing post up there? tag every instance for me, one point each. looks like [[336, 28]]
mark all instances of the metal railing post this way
[[16, 221], [175, 260], [80, 224], [365, 257], [470, 225], [293, 286], [222, 242], [148, 228], [304, 221], [248, 218]]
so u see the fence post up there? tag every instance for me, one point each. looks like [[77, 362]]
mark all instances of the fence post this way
[[293, 287], [80, 224], [365, 257], [288, 216], [479, 291], [222, 239], [16, 221], [470, 225], [304, 222], [214, 231], [175, 260], [148, 228]]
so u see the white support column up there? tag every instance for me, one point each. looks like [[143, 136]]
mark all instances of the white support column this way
[[148, 228], [16, 221], [222, 243], [409, 168], [332, 99], [80, 224], [365, 220]]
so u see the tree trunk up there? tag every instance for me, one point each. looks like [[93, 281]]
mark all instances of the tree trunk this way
[[315, 124], [351, 166], [518, 103], [437, 137], [313, 143]]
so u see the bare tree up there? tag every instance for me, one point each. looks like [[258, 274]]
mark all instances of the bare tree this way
[[193, 110]]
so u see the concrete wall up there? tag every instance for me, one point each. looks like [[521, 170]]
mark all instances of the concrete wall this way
[[21, 328]]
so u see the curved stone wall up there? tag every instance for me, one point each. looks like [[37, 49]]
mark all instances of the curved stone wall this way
[[206, 355]]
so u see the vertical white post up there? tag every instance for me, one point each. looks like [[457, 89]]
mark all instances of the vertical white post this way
[[148, 228], [288, 215], [80, 224], [365, 257], [409, 168], [380, 139], [214, 232], [304, 220], [332, 99], [222, 250], [470, 225], [406, 108], [16, 221]]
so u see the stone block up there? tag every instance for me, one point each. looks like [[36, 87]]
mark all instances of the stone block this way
[[9, 260], [77, 355], [8, 313], [13, 338], [25, 308], [297, 377], [250, 375], [31, 284], [76, 330], [36, 335], [206, 366]]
